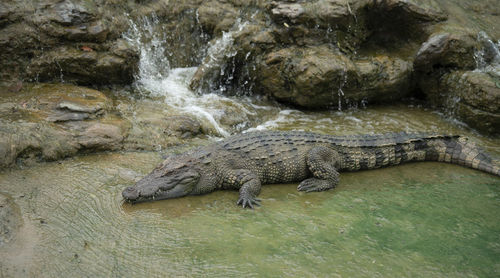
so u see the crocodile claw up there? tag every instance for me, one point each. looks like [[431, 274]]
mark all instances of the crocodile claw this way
[[248, 202]]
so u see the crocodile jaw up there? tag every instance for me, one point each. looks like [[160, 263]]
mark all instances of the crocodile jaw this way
[[156, 187]]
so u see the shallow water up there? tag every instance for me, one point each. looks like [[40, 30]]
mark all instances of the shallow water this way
[[415, 220]]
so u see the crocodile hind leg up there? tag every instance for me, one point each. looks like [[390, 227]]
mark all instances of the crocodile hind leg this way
[[249, 186], [322, 162]]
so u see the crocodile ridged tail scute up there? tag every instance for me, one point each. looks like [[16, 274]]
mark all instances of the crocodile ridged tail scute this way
[[376, 151], [460, 151], [472, 156]]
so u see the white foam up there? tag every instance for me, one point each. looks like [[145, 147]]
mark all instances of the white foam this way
[[156, 78]]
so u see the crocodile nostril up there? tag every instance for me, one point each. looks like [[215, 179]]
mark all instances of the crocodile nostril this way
[[130, 193]]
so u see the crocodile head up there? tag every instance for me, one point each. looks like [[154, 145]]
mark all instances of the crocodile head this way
[[177, 176]]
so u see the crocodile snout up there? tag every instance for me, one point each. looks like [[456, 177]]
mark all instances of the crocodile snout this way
[[130, 193]]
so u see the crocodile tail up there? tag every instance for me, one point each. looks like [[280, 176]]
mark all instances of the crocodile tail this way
[[459, 150]]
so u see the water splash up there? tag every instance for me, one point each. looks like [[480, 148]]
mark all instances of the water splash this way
[[488, 56], [217, 71], [156, 78], [340, 92], [149, 37]]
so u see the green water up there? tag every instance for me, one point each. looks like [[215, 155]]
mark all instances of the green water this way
[[415, 220]]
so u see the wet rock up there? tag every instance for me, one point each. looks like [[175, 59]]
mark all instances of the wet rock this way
[[46, 122], [447, 50], [152, 126], [383, 78], [319, 77], [317, 54], [182, 126], [60, 116], [44, 37], [57, 102], [290, 11], [420, 10], [99, 136], [471, 96], [83, 66], [28, 142], [71, 13], [487, 55], [457, 72], [217, 16]]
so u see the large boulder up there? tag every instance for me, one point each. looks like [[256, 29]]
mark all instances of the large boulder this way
[[471, 96], [49, 40], [84, 65], [458, 72], [448, 50], [319, 54], [319, 77]]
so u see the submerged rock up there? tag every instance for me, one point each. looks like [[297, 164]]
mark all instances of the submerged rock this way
[[10, 219]]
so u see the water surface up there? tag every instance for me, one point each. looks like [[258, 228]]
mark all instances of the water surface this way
[[415, 220]]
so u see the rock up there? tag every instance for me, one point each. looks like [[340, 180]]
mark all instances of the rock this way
[[319, 77], [77, 107], [45, 37], [60, 116], [84, 67], [313, 53], [383, 78], [288, 11], [45, 122], [99, 137], [472, 97], [27, 142], [216, 16], [70, 13], [57, 103], [448, 51], [152, 126], [90, 32], [419, 10], [182, 126], [459, 74]]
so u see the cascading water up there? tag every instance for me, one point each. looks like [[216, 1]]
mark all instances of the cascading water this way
[[156, 78], [488, 56]]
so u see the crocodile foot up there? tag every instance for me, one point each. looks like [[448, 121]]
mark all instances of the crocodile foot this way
[[314, 184], [248, 201]]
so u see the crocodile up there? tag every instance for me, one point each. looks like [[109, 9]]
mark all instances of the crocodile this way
[[246, 161]]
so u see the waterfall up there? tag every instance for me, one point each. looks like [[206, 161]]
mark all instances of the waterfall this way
[[488, 56], [156, 78]]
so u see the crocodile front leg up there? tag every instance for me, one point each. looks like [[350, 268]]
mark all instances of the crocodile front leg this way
[[249, 185], [322, 162]]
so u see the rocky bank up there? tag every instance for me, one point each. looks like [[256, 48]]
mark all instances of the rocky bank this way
[[321, 54]]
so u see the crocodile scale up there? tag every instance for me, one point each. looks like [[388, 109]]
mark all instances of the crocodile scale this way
[[246, 161]]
